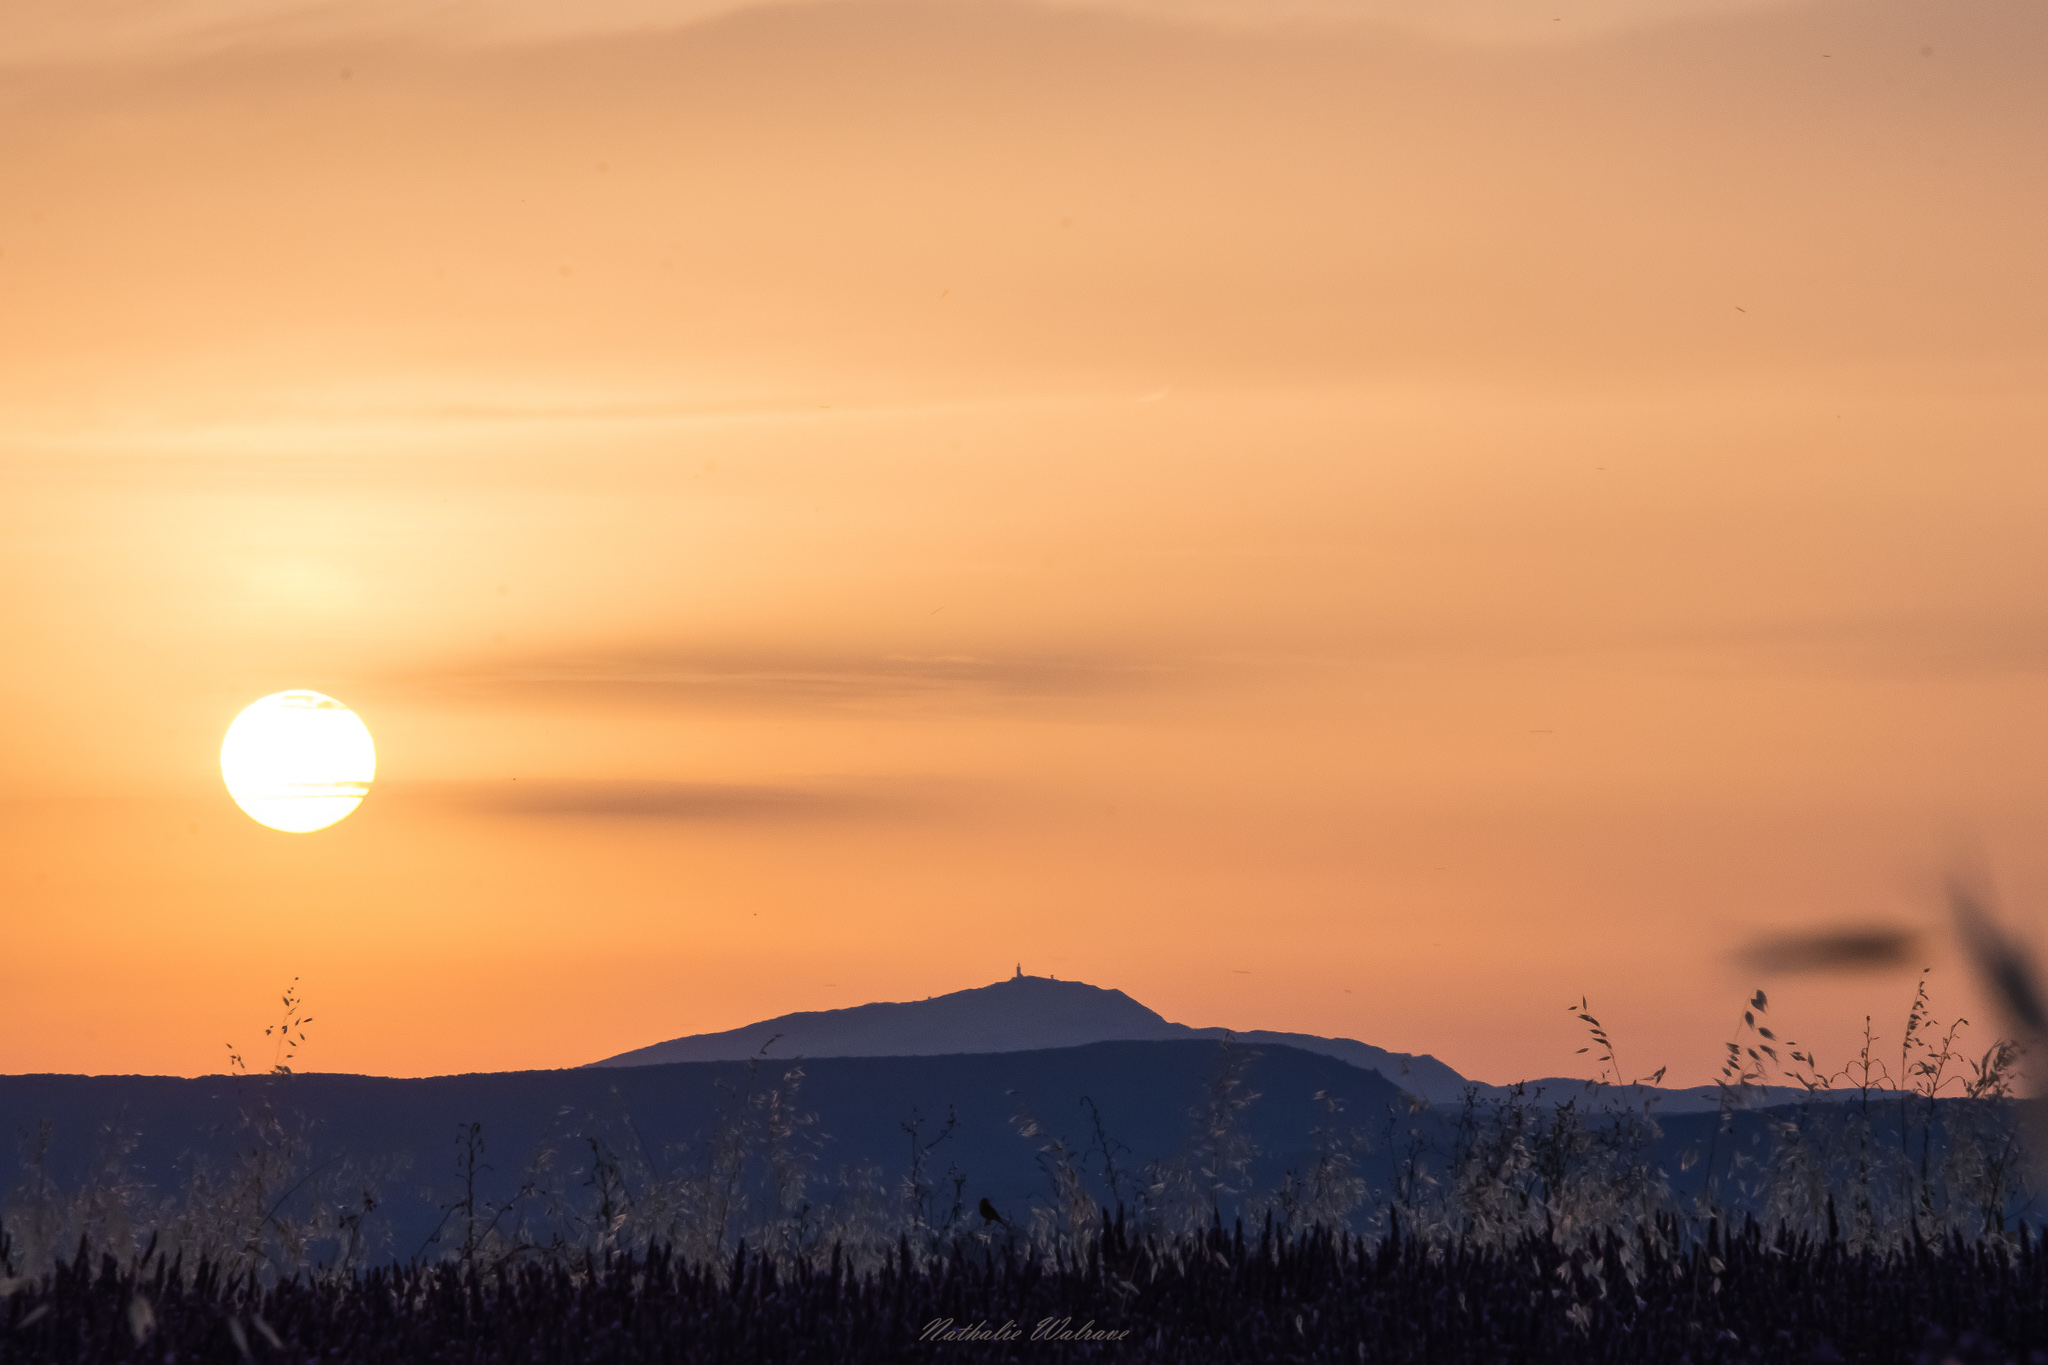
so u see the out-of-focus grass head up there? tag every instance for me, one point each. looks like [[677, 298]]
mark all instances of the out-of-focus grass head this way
[[2002, 962]]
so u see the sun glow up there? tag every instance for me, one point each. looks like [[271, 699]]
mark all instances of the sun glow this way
[[298, 761]]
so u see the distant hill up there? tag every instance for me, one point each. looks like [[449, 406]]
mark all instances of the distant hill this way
[[540, 1125], [982, 1121], [1022, 1014]]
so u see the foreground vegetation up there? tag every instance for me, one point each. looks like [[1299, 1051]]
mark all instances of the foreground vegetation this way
[[1215, 1296]]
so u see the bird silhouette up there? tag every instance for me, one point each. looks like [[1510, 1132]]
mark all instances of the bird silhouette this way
[[989, 1214]]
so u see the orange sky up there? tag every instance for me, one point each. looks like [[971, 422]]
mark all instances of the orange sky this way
[[1375, 523]]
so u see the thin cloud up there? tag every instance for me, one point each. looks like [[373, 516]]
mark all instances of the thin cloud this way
[[703, 680], [1924, 645], [34, 32], [684, 802]]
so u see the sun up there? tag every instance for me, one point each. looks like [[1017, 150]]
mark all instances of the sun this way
[[298, 761]]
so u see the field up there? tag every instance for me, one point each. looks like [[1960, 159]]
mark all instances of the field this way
[[1218, 1296]]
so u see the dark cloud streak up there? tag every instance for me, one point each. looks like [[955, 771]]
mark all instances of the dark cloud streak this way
[[1863, 948]]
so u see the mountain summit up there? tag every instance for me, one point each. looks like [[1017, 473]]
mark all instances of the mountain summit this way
[[1022, 1014]]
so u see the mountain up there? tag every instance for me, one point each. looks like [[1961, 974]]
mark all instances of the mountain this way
[[1022, 1014]]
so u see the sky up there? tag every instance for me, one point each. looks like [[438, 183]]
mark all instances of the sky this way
[[1373, 520]]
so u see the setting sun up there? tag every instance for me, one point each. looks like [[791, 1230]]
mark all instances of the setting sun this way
[[298, 761]]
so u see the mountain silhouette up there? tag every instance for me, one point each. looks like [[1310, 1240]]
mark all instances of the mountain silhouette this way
[[1021, 1014]]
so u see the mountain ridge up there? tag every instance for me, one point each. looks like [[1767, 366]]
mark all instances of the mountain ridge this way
[[1019, 1014]]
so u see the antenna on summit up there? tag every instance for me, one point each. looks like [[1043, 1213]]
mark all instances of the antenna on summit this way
[[1020, 973]]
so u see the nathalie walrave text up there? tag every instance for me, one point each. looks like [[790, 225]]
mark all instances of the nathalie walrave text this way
[[1047, 1329]]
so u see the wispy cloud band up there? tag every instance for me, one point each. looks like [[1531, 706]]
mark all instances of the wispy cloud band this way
[[678, 678], [678, 802]]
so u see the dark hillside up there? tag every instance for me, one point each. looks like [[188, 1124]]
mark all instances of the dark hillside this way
[[1143, 1091]]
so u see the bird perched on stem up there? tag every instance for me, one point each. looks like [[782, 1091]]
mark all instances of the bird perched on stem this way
[[989, 1214]]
